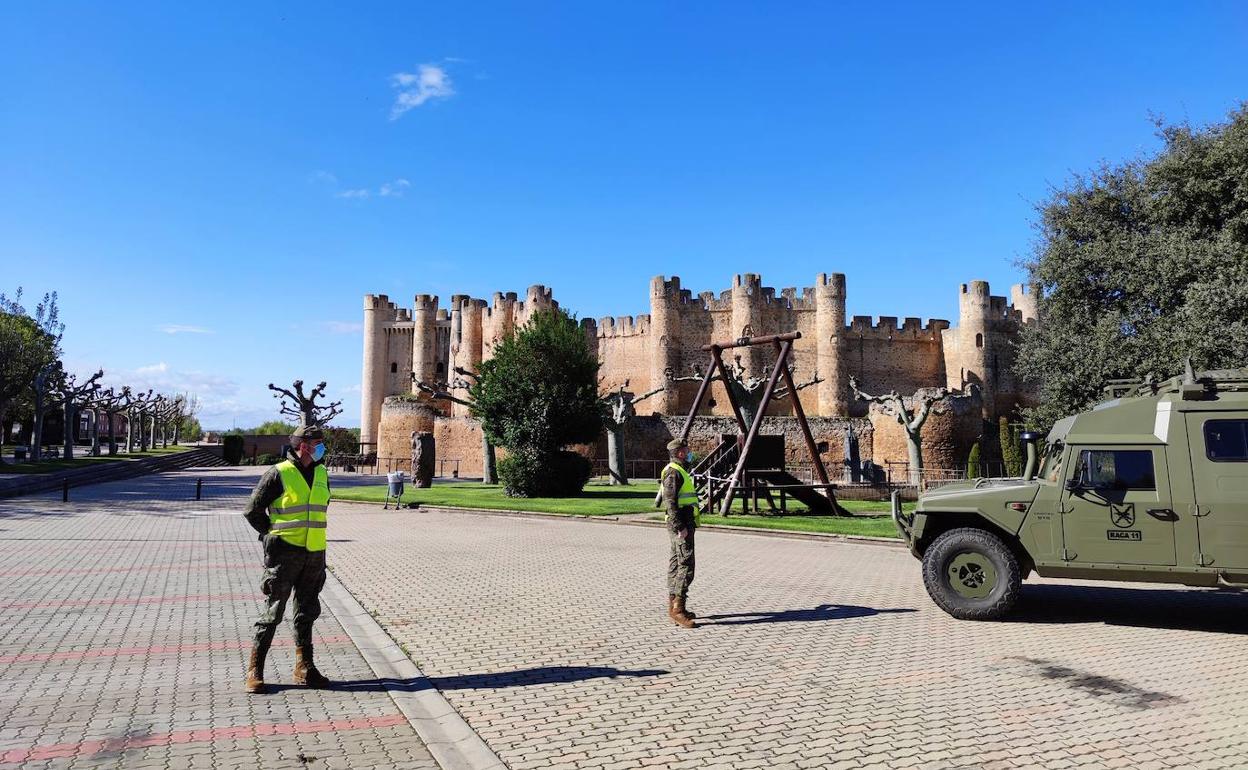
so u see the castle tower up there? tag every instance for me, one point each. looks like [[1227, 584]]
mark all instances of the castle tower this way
[[829, 348], [747, 316], [424, 339], [975, 354], [471, 312], [664, 342], [377, 311], [502, 322], [1024, 298]]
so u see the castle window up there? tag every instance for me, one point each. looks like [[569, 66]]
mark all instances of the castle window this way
[[979, 340], [394, 368]]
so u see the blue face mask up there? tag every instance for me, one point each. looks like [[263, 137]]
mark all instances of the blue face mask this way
[[690, 457], [318, 452]]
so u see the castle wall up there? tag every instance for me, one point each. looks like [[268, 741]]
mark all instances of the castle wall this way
[[645, 350]]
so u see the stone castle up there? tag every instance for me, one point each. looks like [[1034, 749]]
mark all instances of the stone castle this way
[[647, 351]]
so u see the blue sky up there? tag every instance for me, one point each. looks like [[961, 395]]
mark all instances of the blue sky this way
[[213, 189]]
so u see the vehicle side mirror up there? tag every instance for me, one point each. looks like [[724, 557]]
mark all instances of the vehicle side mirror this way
[[1075, 485]]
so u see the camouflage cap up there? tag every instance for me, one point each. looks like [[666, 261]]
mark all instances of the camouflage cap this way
[[306, 433], [675, 444]]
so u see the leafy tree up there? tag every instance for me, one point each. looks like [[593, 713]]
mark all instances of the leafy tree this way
[[1141, 264], [342, 441], [28, 345], [189, 429], [273, 428], [538, 394]]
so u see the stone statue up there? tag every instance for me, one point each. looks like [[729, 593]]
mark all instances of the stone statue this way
[[423, 458]]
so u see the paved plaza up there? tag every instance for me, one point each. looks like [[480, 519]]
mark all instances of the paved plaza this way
[[125, 614]]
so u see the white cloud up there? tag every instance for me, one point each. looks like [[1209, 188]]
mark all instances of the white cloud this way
[[391, 189], [182, 329], [414, 89], [394, 189]]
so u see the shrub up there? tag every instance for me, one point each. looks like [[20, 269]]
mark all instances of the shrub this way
[[268, 459], [556, 474], [973, 470], [232, 449], [536, 395]]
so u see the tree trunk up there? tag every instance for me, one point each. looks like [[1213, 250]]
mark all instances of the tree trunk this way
[[152, 443], [36, 432], [489, 464], [71, 414], [615, 455], [4, 434], [129, 432], [915, 449]]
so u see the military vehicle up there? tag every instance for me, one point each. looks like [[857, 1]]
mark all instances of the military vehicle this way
[[1148, 486]]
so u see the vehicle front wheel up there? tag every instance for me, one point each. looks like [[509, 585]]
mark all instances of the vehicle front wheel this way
[[972, 574]]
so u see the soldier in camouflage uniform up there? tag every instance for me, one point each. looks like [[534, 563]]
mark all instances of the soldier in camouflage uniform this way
[[288, 509], [680, 503]]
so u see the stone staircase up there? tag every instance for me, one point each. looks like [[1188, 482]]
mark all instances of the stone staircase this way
[[113, 470]]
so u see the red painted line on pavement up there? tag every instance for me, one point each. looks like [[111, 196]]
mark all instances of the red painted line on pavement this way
[[159, 649], [87, 748], [139, 600], [99, 570]]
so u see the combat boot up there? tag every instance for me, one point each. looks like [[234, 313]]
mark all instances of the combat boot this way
[[677, 613], [255, 670], [305, 670], [684, 599]]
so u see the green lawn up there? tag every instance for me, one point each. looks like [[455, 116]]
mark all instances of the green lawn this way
[[605, 500], [81, 460], [598, 500], [873, 526]]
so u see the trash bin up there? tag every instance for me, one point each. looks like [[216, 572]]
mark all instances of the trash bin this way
[[394, 488]]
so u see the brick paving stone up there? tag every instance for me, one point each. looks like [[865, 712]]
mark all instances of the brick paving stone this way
[[550, 638], [125, 619]]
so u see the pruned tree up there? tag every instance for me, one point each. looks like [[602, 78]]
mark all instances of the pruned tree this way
[[443, 392], [45, 396], [109, 402], [295, 403], [910, 412], [135, 405], [75, 396], [748, 390], [621, 406]]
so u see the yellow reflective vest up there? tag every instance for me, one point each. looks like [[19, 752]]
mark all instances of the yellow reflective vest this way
[[688, 494], [299, 515]]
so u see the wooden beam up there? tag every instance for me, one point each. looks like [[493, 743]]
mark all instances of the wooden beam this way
[[748, 341], [758, 421], [800, 413]]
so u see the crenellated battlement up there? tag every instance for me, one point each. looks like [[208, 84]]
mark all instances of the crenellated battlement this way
[[886, 327], [883, 352]]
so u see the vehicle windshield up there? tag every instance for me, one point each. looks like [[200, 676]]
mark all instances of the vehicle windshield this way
[[1051, 463]]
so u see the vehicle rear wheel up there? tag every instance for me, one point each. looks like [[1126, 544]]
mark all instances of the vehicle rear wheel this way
[[972, 574]]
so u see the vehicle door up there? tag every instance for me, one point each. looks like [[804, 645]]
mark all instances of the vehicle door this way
[[1116, 507], [1219, 449]]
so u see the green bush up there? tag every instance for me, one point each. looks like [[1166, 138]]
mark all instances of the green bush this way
[[531, 474], [536, 395], [973, 464], [268, 459], [232, 449]]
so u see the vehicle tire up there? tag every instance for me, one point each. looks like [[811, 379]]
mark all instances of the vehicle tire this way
[[972, 574]]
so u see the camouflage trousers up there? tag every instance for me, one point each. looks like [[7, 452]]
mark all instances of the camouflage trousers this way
[[288, 569], [680, 564]]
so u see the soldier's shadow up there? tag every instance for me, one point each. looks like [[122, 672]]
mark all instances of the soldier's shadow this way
[[526, 677], [1212, 610], [823, 612]]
